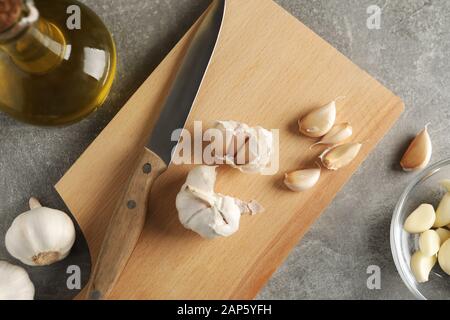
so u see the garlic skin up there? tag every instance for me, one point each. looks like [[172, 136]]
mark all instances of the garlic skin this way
[[302, 180], [418, 155], [209, 214], [337, 157], [41, 236], [318, 122], [15, 284], [338, 134], [238, 153]]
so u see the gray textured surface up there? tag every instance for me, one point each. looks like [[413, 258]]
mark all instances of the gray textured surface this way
[[408, 54]]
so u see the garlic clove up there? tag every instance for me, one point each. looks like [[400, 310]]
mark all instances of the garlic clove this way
[[429, 243], [340, 156], [444, 257], [418, 155], [337, 134], [443, 234], [207, 213], [15, 284], [302, 180], [318, 122], [41, 236], [421, 266], [421, 220], [443, 212], [445, 184]]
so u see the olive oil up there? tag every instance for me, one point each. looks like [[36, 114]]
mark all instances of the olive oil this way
[[52, 74]]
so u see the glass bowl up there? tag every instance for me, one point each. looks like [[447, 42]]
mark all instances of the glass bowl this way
[[424, 189]]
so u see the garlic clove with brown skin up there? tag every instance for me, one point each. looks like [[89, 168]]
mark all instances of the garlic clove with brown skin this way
[[418, 155], [302, 180], [338, 134], [207, 213], [318, 122], [15, 284], [41, 236], [337, 157]]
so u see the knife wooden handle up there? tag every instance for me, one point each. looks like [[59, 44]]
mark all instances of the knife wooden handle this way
[[125, 226]]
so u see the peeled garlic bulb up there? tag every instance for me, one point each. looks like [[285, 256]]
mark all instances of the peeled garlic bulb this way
[[418, 155], [421, 220], [340, 156], [444, 257], [41, 236], [443, 212], [443, 234], [338, 134], [421, 266], [302, 180], [248, 149], [318, 122], [15, 284], [207, 213], [429, 243]]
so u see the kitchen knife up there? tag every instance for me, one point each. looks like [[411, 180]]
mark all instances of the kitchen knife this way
[[128, 218]]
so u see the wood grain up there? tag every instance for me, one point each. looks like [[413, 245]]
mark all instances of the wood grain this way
[[269, 69], [126, 225]]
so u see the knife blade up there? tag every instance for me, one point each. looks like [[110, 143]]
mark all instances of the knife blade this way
[[128, 218]]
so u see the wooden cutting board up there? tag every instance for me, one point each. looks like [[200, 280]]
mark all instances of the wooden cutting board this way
[[269, 69]]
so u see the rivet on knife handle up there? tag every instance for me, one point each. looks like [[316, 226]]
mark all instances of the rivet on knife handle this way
[[125, 226]]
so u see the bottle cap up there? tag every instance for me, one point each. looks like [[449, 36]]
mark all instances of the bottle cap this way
[[10, 12]]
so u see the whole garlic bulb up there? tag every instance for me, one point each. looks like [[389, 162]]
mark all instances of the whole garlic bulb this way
[[41, 236], [248, 149], [209, 214], [15, 284]]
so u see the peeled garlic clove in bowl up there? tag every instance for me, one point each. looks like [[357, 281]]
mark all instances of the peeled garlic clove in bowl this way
[[429, 243], [318, 122], [443, 234], [421, 219], [445, 184], [15, 284], [443, 212], [444, 257], [419, 152], [421, 266], [41, 236]]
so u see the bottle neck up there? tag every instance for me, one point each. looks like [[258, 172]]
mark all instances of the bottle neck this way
[[35, 45]]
